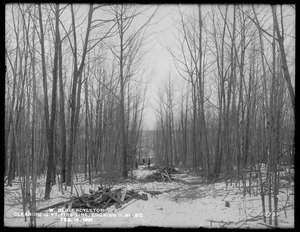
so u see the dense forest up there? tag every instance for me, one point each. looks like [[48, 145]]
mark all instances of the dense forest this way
[[237, 108], [76, 92]]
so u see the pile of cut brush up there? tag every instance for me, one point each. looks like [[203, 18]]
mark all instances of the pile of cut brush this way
[[170, 170], [162, 174], [100, 199]]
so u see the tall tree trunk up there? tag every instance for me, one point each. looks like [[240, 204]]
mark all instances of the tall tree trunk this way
[[283, 59], [63, 143], [76, 90], [122, 102], [33, 138], [50, 167], [87, 139]]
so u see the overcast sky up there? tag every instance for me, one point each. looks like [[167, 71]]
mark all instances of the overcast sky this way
[[160, 59]]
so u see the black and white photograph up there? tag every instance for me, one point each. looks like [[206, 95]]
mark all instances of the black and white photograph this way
[[149, 115]]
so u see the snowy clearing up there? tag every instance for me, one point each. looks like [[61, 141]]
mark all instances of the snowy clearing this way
[[188, 203]]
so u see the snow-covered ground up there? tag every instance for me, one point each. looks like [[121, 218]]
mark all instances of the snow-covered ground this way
[[188, 203]]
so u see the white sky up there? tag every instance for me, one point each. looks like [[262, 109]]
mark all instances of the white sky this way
[[160, 59]]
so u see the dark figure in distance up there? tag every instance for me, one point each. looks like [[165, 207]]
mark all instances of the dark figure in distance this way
[[136, 165], [149, 162], [143, 161]]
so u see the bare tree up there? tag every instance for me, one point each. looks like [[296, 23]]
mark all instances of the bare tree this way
[[50, 180], [280, 39], [76, 90], [129, 45]]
